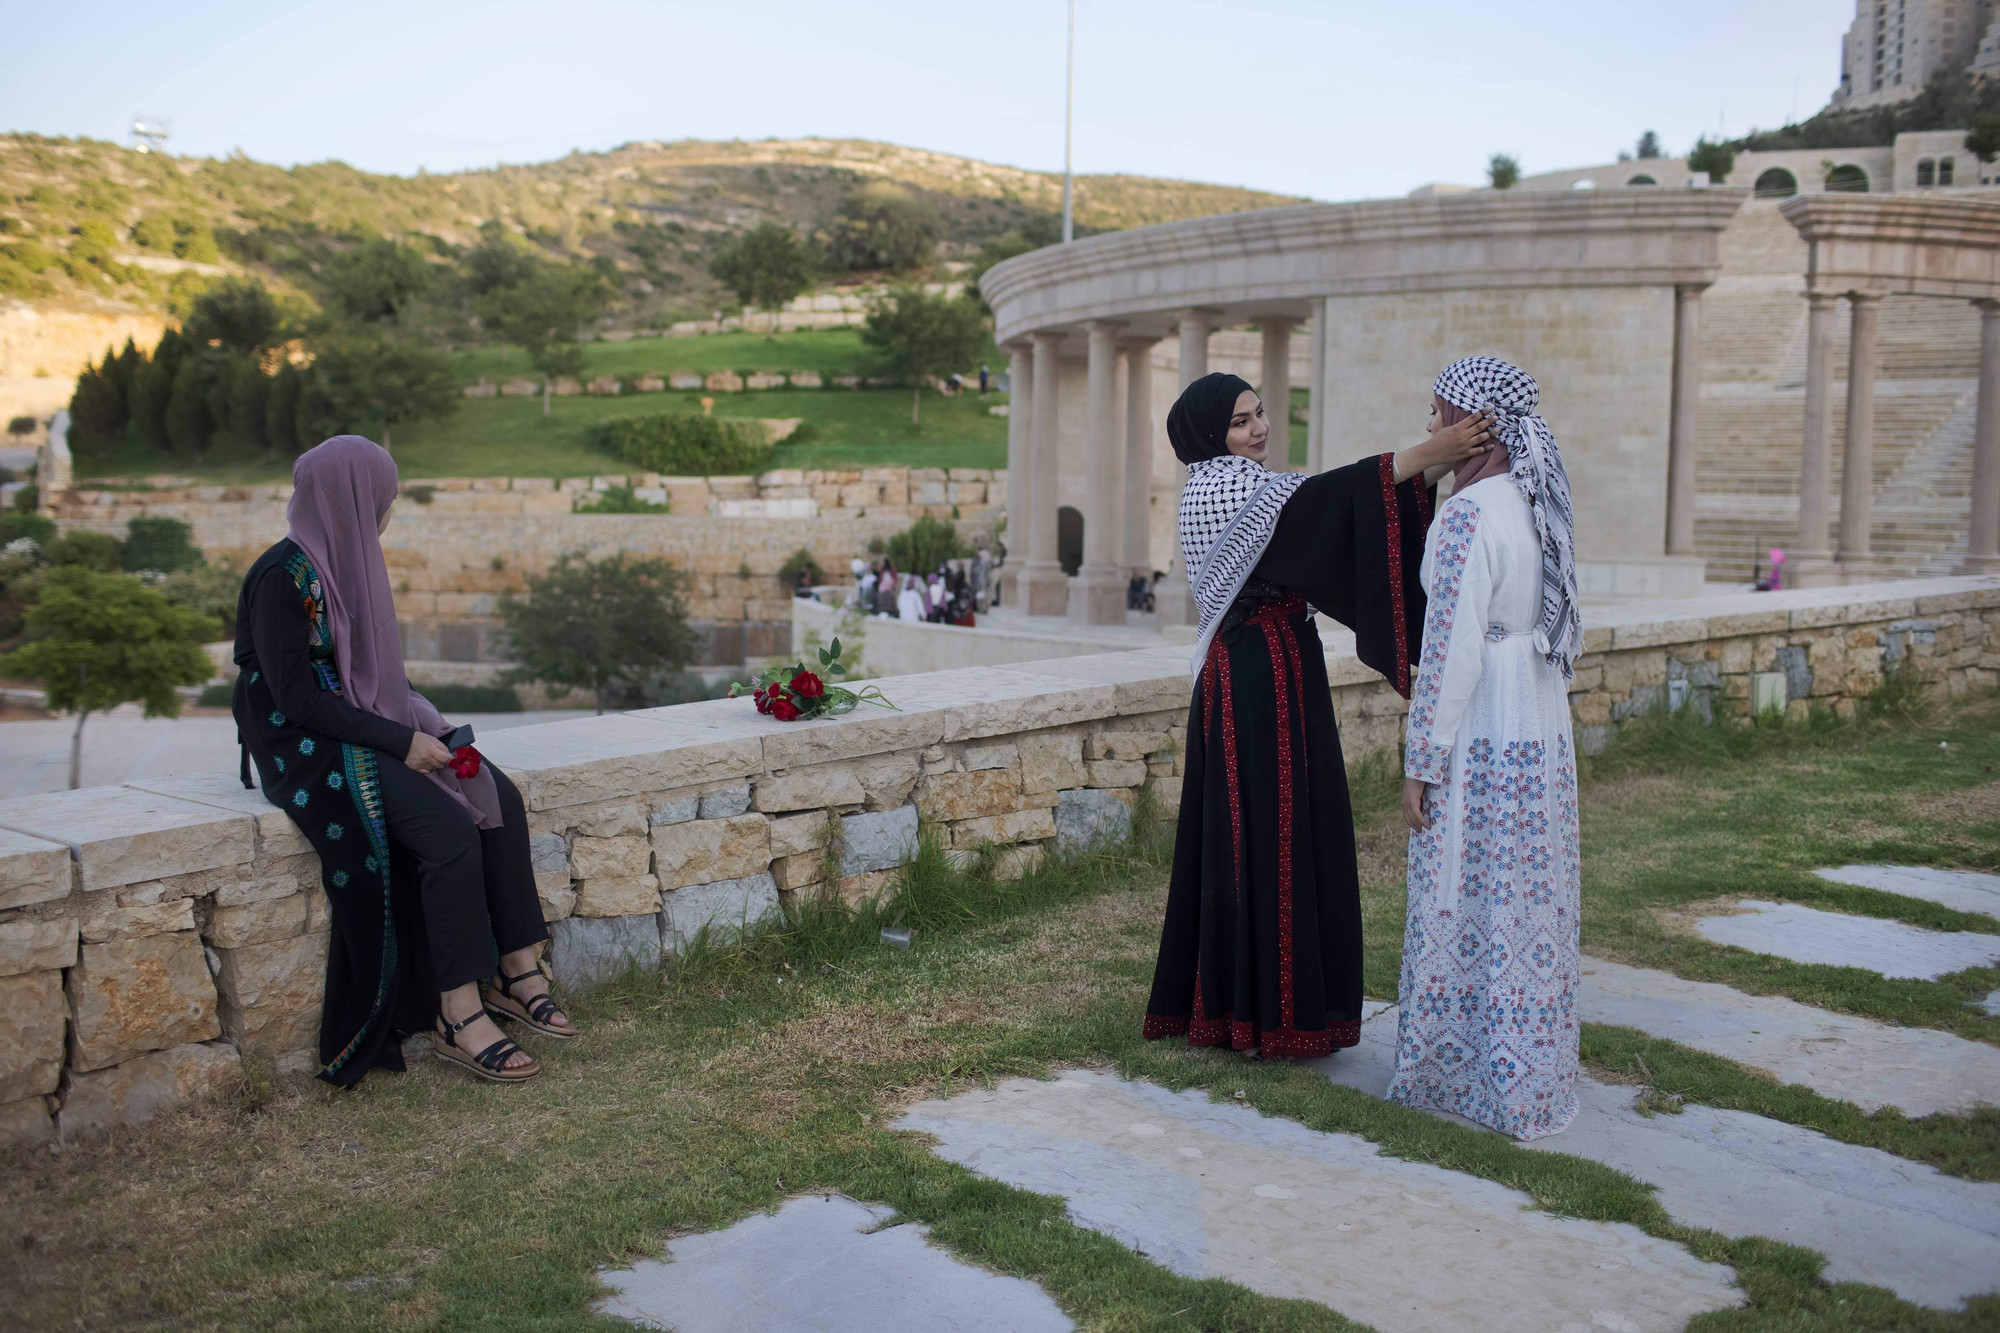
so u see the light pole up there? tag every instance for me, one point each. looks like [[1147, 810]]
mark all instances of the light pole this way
[[1069, 125]]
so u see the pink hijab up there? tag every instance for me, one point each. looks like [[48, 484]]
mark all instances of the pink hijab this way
[[341, 488], [1485, 465]]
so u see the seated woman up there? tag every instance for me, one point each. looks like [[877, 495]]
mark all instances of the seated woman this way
[[435, 916]]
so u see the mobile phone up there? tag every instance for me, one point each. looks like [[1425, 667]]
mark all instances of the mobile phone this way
[[459, 738]]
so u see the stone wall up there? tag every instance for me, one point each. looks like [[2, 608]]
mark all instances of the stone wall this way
[[150, 933], [454, 548]]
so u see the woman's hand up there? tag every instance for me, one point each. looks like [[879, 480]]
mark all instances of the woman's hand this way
[[427, 753], [1413, 804], [1448, 447]]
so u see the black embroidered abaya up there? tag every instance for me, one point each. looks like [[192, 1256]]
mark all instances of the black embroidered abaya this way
[[1261, 948]]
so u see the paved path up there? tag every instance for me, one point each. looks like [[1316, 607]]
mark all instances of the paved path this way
[[819, 1263], [121, 745], [1809, 935], [1836, 1055], [1213, 1190], [1965, 890], [1878, 1218]]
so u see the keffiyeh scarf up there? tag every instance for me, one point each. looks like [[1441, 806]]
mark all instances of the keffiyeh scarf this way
[[1533, 463], [1229, 510]]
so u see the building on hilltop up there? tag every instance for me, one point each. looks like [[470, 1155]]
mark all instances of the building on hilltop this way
[[1894, 46], [1918, 160]]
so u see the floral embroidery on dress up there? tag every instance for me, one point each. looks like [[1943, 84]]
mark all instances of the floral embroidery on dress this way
[[276, 719], [340, 879], [299, 798], [1426, 756], [335, 780], [335, 832], [306, 746]]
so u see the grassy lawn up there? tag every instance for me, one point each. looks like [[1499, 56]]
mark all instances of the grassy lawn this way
[[489, 437], [751, 1075]]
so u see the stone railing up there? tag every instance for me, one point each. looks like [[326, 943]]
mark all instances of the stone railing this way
[[149, 933]]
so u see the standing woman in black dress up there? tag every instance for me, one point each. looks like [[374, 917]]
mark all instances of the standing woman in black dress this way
[[423, 853], [1261, 948]]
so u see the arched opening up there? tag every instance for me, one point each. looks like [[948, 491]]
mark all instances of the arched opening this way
[[1585, 184], [1945, 170], [1847, 179], [1776, 183], [1642, 179], [1069, 539], [1926, 173]]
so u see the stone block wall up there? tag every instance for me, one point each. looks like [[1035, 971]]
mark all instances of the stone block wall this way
[[455, 544], [151, 933]]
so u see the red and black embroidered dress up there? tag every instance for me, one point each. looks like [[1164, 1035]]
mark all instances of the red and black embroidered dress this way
[[1261, 948]]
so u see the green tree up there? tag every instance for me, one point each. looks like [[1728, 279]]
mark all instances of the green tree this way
[[97, 410], [153, 388], [1984, 139], [377, 281], [99, 552], [1649, 145], [281, 409], [236, 316], [95, 641], [1503, 170], [1031, 235], [1717, 159], [882, 226], [599, 625], [190, 417], [367, 378], [924, 545], [543, 312], [917, 336], [766, 267]]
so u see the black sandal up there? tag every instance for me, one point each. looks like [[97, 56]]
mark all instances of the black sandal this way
[[490, 1063], [501, 1002]]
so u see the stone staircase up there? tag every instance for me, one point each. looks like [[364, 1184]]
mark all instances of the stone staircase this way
[[1753, 410]]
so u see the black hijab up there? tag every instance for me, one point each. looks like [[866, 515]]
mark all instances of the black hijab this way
[[1198, 423]]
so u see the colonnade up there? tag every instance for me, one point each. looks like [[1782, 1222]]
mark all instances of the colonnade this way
[[1820, 556]]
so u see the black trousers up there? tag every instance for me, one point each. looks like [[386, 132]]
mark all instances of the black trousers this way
[[477, 885]]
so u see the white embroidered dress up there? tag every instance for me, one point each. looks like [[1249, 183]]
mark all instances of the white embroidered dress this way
[[1487, 1024]]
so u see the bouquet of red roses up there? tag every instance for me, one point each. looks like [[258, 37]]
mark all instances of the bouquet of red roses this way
[[789, 693]]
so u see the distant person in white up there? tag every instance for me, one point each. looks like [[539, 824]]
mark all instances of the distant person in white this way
[[1487, 1017], [910, 602]]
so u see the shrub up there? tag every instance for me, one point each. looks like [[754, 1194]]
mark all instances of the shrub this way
[[28, 499], [924, 545], [216, 696], [21, 425], [452, 699], [617, 500], [1502, 171], [1717, 159], [685, 446], [159, 543], [599, 625], [213, 590], [420, 495], [98, 551], [15, 526], [802, 558]]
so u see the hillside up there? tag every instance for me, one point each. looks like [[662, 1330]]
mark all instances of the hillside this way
[[90, 224]]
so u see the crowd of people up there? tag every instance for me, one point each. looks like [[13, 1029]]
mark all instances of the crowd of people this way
[[957, 592]]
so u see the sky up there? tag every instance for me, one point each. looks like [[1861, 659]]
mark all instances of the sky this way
[[1328, 100]]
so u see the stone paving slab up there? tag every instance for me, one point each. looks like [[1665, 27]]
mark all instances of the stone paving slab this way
[[819, 1263], [1223, 1191], [1809, 935], [1836, 1055], [1963, 890], [1878, 1218]]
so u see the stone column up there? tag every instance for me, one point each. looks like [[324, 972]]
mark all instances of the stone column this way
[[1097, 593], [1809, 563], [1684, 433], [1173, 599], [1020, 424], [1194, 325], [1045, 589], [1138, 555], [1316, 391], [1276, 389], [1983, 546], [1857, 460]]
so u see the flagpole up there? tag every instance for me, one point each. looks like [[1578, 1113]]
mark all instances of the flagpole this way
[[1069, 125]]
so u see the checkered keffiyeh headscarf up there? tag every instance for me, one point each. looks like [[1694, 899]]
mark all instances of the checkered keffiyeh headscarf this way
[[1229, 510], [1510, 393]]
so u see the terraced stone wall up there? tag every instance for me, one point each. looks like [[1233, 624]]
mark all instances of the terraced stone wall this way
[[151, 933]]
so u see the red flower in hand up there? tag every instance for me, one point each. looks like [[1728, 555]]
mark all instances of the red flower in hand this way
[[784, 709], [808, 686], [465, 762]]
